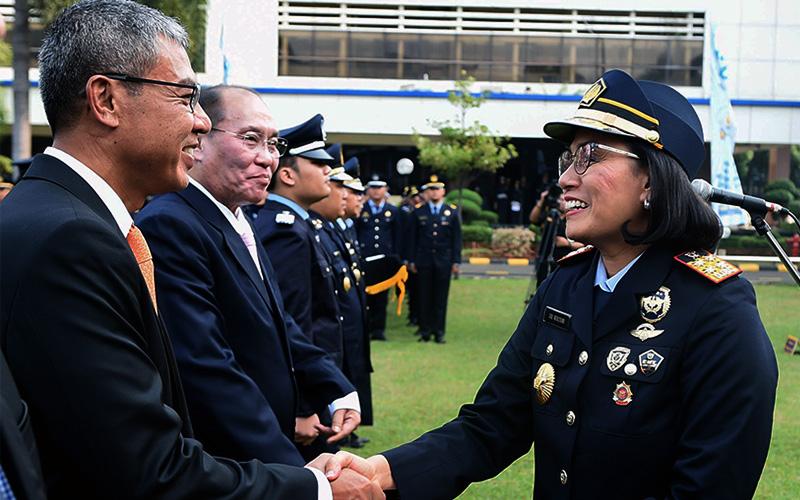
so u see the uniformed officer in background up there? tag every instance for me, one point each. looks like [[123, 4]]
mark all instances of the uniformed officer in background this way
[[305, 275], [379, 233], [323, 216], [411, 198], [434, 256]]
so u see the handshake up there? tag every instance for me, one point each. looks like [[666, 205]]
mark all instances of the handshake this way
[[354, 477]]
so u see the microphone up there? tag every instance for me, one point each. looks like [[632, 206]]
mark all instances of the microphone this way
[[756, 206]]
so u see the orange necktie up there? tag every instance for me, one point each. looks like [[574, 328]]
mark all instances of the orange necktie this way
[[145, 259]]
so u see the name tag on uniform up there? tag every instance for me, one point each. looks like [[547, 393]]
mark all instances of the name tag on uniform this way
[[559, 319]]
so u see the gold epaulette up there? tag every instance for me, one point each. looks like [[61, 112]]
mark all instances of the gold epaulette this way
[[586, 250], [708, 265], [418, 205], [453, 206]]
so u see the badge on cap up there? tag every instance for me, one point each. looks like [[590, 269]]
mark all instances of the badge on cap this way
[[617, 357], [623, 395], [649, 361], [544, 382], [284, 217], [593, 93]]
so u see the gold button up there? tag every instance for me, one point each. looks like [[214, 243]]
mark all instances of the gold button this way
[[549, 350], [570, 417], [563, 476], [583, 357]]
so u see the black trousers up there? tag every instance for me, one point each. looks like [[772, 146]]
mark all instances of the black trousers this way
[[433, 286], [376, 315], [413, 301]]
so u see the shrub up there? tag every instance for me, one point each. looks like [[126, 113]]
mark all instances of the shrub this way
[[469, 210], [478, 234], [786, 184], [468, 194], [513, 242], [779, 196], [489, 216], [480, 222], [794, 207]]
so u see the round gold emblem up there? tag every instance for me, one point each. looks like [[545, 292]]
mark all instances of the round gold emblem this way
[[387, 213], [544, 382], [346, 283], [652, 136]]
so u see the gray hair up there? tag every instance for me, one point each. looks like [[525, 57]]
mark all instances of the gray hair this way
[[94, 37]]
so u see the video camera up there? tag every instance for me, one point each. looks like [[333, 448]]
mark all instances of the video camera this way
[[554, 192]]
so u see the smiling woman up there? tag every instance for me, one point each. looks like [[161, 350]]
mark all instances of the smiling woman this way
[[642, 355]]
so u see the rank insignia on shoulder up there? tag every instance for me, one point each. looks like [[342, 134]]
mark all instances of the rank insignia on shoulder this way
[[708, 265], [317, 224], [623, 395], [453, 206], [285, 217], [365, 215], [418, 205], [588, 249]]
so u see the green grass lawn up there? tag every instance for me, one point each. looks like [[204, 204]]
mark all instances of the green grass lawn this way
[[417, 387]]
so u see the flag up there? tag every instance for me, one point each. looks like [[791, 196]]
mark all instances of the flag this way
[[226, 67], [723, 138]]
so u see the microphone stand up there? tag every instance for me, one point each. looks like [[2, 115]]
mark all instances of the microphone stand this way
[[763, 229]]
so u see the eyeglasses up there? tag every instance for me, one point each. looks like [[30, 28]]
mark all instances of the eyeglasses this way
[[276, 146], [195, 95], [584, 157]]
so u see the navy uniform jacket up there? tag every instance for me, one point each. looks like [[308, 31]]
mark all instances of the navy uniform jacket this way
[[97, 368], [380, 233], [434, 240], [698, 426], [405, 218], [305, 276], [240, 356]]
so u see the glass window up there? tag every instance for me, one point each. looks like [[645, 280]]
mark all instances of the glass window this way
[[475, 48], [615, 53]]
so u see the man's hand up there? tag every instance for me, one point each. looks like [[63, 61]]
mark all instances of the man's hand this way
[[306, 429], [343, 422], [376, 468], [350, 476], [456, 270], [412, 267]]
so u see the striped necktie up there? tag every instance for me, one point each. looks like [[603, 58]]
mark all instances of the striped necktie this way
[[145, 260]]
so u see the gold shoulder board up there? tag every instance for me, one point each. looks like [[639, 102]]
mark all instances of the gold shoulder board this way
[[708, 265], [571, 257]]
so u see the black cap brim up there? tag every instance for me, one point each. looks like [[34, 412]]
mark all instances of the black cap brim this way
[[318, 155]]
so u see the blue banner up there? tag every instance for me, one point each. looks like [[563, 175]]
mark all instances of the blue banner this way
[[723, 138]]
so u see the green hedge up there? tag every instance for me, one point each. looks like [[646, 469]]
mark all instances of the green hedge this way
[[786, 184], [468, 194], [747, 241], [479, 222], [489, 216], [779, 196], [470, 210], [478, 234]]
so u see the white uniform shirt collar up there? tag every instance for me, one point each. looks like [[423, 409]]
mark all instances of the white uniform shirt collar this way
[[607, 284], [106, 193]]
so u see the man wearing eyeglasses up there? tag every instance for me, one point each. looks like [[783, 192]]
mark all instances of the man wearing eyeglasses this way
[[79, 321], [242, 358]]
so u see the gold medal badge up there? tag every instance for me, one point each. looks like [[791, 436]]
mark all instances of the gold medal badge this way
[[346, 283], [357, 273], [623, 395], [653, 308], [387, 213], [544, 382]]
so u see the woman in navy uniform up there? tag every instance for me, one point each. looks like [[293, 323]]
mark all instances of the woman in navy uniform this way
[[641, 368]]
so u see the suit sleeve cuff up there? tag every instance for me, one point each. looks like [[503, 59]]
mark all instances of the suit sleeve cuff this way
[[349, 402], [324, 491]]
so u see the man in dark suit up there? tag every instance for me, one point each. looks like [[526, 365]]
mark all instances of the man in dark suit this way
[[242, 359], [96, 367], [434, 256], [379, 232]]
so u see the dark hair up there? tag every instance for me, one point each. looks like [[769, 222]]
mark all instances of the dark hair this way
[[212, 101], [679, 218], [285, 162], [94, 37]]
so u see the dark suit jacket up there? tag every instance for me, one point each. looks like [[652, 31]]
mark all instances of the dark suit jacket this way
[[93, 360], [18, 454], [380, 233], [238, 352], [702, 394], [305, 276]]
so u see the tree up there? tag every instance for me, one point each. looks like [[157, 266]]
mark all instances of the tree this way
[[463, 150]]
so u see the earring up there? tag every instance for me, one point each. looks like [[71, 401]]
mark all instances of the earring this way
[[646, 204]]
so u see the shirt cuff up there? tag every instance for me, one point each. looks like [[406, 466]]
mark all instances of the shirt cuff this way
[[349, 402], [324, 491]]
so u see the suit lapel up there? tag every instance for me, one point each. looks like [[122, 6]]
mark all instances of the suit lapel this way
[[645, 277], [233, 241]]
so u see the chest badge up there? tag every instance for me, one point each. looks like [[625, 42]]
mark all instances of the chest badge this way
[[447, 212], [356, 273], [346, 283], [653, 308], [617, 357], [623, 395], [387, 213], [544, 382], [649, 361]]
